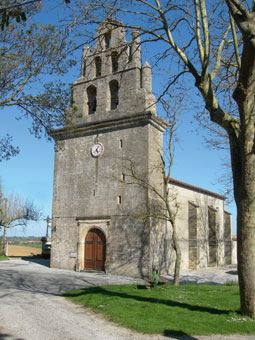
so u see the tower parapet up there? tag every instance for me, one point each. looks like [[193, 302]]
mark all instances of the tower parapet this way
[[146, 80], [112, 82]]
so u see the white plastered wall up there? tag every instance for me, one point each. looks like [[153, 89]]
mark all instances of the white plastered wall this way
[[183, 196]]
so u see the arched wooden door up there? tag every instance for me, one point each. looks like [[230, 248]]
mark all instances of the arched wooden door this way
[[95, 248]]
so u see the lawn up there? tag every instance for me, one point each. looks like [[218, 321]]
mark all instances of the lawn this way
[[2, 258], [188, 309]]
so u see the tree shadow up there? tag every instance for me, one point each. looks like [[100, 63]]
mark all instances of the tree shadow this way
[[4, 336], [170, 303], [178, 335], [38, 260], [232, 272]]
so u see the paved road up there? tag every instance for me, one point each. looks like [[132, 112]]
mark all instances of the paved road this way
[[32, 308]]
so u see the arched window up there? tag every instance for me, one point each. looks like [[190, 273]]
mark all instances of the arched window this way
[[92, 99], [98, 64], [107, 38], [114, 90], [115, 62]]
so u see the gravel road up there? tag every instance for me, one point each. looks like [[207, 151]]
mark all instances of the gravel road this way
[[32, 308]]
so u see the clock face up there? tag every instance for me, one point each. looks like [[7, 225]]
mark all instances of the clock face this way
[[97, 149]]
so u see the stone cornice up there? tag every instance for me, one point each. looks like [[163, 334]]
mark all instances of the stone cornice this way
[[93, 218], [110, 124]]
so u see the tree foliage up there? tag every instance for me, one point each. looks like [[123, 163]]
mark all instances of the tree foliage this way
[[7, 150], [13, 10], [33, 59]]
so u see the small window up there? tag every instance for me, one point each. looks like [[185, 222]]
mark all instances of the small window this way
[[114, 90], [193, 221], [119, 199], [84, 69], [115, 62], [129, 53], [212, 225], [92, 99], [120, 143], [107, 38], [98, 64]]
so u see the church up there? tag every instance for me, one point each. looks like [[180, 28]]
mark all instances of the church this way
[[108, 175]]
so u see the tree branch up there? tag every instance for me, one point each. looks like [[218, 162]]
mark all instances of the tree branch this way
[[218, 57], [178, 50], [198, 32], [237, 54], [206, 58]]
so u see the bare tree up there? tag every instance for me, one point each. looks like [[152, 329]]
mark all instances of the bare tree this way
[[14, 211], [165, 203]]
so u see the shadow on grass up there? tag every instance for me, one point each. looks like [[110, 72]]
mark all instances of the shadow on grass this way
[[179, 335], [170, 303]]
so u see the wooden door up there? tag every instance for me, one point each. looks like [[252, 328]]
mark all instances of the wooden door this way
[[95, 247]]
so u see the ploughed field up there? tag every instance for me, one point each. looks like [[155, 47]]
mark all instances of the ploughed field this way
[[23, 250]]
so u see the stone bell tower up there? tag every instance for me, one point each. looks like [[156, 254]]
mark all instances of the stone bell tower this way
[[106, 157]]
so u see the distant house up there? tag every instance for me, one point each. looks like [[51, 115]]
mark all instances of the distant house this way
[[100, 220]]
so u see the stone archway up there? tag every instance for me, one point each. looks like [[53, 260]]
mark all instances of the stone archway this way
[[95, 250], [85, 225]]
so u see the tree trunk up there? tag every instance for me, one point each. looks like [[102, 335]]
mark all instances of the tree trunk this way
[[246, 257], [4, 242], [177, 249], [244, 190], [243, 165]]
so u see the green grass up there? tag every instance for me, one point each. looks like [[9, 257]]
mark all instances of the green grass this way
[[32, 245], [2, 258], [188, 309]]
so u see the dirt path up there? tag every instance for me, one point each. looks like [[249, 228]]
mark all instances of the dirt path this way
[[14, 250], [32, 307]]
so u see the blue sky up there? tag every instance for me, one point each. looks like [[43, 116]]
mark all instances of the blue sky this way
[[30, 174]]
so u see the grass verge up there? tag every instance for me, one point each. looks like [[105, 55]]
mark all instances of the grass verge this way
[[30, 245], [2, 258], [188, 309]]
